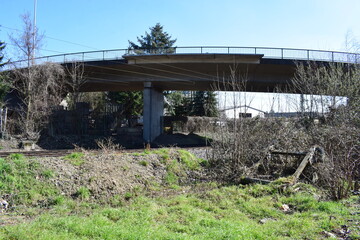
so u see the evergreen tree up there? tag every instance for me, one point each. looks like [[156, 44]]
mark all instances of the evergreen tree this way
[[204, 104], [198, 108], [211, 109], [155, 42], [131, 102], [177, 103]]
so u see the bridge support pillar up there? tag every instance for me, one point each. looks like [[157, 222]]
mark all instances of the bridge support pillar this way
[[152, 112]]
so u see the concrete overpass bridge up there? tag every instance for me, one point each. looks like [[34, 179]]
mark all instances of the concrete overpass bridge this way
[[190, 68]]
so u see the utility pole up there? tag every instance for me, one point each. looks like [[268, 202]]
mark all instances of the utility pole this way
[[34, 29]]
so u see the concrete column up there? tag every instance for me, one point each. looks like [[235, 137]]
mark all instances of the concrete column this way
[[153, 111]]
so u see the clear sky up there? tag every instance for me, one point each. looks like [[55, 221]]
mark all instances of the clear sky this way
[[85, 25], [109, 24]]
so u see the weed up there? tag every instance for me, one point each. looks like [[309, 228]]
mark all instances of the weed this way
[[107, 145], [59, 200], [144, 163], [83, 193], [164, 154], [16, 156], [171, 178], [116, 201], [128, 196], [75, 158], [48, 174], [188, 159]]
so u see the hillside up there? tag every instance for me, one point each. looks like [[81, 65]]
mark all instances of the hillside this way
[[159, 194]]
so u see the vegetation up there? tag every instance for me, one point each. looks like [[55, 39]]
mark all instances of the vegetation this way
[[179, 103], [156, 42], [190, 211], [4, 84], [204, 104], [39, 87], [24, 182], [329, 119], [75, 158], [131, 102], [218, 213]]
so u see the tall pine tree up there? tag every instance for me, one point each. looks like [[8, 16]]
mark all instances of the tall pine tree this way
[[156, 42], [205, 104], [211, 109]]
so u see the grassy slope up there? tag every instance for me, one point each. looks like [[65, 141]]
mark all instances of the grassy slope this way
[[207, 211]]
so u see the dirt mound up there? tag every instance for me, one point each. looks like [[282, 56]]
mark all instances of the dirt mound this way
[[109, 174]]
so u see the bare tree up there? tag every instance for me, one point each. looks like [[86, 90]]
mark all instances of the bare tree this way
[[39, 87], [28, 41], [76, 79]]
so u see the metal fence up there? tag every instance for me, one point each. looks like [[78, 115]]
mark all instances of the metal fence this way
[[273, 53]]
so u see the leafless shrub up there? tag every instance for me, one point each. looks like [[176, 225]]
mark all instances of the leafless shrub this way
[[107, 145], [339, 134], [75, 80], [40, 87], [242, 147]]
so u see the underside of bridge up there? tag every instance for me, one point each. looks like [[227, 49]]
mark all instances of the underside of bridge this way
[[155, 73], [188, 72]]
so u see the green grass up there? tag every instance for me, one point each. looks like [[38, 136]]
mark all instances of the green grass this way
[[75, 158], [83, 193], [207, 211], [177, 163], [24, 181], [220, 213]]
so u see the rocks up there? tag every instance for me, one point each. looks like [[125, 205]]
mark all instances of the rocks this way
[[265, 220], [3, 205], [328, 234], [285, 208]]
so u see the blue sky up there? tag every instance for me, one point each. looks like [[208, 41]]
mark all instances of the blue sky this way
[[108, 24]]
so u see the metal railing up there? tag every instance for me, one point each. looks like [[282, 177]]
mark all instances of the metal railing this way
[[270, 53]]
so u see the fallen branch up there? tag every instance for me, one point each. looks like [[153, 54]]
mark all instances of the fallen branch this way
[[308, 159]]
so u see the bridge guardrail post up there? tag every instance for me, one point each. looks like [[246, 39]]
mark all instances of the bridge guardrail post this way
[[255, 50], [308, 55], [332, 56], [282, 53]]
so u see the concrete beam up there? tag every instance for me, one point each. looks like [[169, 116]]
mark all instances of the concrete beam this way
[[152, 113], [194, 58]]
